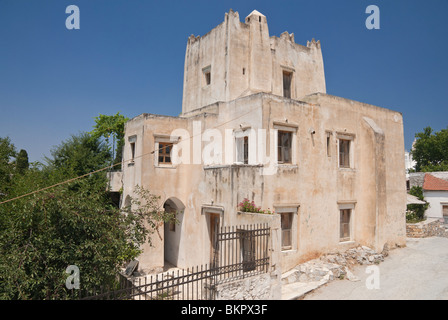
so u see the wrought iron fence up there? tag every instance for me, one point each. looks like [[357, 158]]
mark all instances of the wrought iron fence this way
[[239, 252]]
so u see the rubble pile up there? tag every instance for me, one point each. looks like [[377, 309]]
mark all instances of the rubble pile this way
[[334, 266]]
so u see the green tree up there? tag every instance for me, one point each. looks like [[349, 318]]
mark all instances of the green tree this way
[[107, 126], [49, 231], [416, 212], [7, 153], [22, 163], [430, 150], [78, 155], [73, 223]]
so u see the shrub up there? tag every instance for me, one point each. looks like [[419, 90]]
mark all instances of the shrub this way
[[416, 212]]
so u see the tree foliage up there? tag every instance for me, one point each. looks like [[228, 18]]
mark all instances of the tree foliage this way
[[78, 155], [7, 153], [107, 126], [74, 223], [22, 163], [430, 150], [416, 212]]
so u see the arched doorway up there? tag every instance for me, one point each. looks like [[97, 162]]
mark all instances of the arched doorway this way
[[173, 231]]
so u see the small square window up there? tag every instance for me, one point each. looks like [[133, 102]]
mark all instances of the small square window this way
[[165, 152]]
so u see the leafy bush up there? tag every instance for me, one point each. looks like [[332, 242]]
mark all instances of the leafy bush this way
[[416, 212]]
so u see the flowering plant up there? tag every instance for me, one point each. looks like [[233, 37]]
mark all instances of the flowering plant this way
[[249, 206]]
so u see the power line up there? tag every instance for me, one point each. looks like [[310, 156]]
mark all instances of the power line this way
[[111, 166]]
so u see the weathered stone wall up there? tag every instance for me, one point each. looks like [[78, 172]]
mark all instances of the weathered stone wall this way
[[427, 228]]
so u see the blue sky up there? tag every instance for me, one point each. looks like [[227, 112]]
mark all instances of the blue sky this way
[[128, 56]]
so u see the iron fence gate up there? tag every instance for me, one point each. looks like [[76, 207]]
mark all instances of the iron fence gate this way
[[240, 252]]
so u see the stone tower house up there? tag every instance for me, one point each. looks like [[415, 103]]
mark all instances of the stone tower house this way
[[331, 168]]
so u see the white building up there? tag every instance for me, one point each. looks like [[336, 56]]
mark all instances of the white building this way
[[435, 191]]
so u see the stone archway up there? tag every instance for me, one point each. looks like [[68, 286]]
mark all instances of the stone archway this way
[[173, 232]]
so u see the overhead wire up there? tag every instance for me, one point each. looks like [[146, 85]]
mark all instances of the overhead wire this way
[[111, 166]]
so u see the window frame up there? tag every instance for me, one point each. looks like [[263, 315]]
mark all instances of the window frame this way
[[162, 147], [207, 76], [349, 207], [287, 231], [286, 127], [281, 148], [244, 139], [442, 206], [132, 147], [349, 152], [345, 226], [328, 135], [287, 74], [242, 149], [293, 210], [161, 139]]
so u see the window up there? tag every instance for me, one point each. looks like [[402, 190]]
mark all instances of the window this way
[[165, 152], [345, 224], [132, 151], [328, 144], [344, 153], [132, 140], [287, 79], [289, 225], [284, 146], [242, 150], [207, 75], [286, 225], [445, 212], [213, 233]]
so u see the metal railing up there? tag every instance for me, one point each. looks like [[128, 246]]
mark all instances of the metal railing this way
[[240, 252]]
